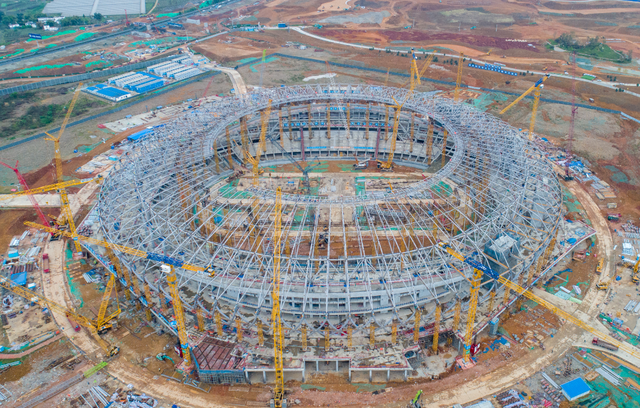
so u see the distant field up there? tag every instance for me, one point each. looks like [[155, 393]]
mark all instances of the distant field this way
[[12, 7]]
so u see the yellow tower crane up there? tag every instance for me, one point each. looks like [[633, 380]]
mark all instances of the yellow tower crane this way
[[179, 313], [276, 322], [480, 270], [264, 124], [414, 80], [93, 325], [262, 144], [64, 198], [536, 88], [456, 92]]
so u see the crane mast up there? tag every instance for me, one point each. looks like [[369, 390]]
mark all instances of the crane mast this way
[[179, 313], [574, 109], [278, 337], [456, 92], [64, 198]]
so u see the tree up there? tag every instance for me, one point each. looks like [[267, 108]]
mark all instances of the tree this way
[[9, 20], [98, 16]]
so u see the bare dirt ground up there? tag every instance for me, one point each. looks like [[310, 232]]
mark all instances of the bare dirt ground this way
[[604, 139]]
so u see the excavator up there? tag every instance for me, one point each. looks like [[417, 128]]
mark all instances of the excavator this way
[[360, 164]]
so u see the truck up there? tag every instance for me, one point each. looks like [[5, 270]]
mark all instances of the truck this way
[[45, 263], [597, 342], [73, 323], [614, 216]]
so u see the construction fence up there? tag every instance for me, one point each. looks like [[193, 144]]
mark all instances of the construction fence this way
[[118, 109], [83, 77]]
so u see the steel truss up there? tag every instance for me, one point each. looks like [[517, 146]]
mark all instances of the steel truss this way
[[380, 263]]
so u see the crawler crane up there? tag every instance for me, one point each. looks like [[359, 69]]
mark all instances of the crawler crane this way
[[96, 326], [64, 198]]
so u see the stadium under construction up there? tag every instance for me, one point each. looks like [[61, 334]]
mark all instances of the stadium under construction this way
[[370, 213]]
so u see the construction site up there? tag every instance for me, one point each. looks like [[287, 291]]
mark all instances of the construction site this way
[[350, 225]]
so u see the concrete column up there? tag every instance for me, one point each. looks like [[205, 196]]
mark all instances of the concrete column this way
[[349, 372], [370, 375], [388, 374], [317, 366], [337, 367], [405, 375], [304, 368], [246, 377], [264, 376]]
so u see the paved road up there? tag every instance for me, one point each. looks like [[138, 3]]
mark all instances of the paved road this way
[[609, 85], [236, 78]]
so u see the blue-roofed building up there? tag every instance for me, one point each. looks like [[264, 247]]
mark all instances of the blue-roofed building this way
[[108, 92], [19, 278], [575, 389], [148, 86]]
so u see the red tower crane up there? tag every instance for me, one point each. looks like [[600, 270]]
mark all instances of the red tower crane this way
[[204, 95], [26, 188], [574, 109]]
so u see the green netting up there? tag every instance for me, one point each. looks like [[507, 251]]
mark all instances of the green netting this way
[[84, 36], [361, 188], [627, 399], [92, 63], [51, 45], [312, 387], [633, 340], [167, 15], [39, 67], [487, 99], [44, 37], [245, 60], [73, 287], [34, 50], [18, 51], [160, 41], [87, 149], [365, 387], [443, 188]]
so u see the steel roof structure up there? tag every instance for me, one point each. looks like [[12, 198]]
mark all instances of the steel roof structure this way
[[349, 260]]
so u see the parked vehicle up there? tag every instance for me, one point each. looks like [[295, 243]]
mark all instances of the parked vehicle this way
[[597, 342]]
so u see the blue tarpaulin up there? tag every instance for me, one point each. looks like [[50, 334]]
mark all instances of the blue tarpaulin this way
[[139, 135], [19, 278]]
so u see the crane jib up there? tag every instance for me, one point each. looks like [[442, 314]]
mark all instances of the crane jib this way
[[485, 270], [165, 259]]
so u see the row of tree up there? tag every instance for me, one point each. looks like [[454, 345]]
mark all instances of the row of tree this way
[[21, 18]]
